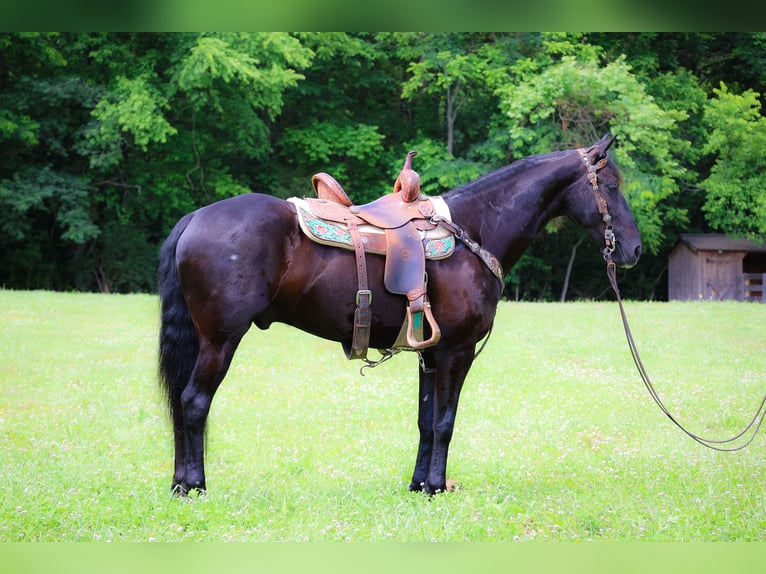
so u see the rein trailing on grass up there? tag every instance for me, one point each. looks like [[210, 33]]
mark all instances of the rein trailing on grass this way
[[611, 270], [720, 445]]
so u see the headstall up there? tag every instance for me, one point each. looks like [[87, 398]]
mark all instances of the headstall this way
[[593, 169]]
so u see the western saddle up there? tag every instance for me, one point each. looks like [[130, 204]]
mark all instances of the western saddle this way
[[404, 227]]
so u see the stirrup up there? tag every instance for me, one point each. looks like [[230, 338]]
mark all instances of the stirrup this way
[[436, 333]]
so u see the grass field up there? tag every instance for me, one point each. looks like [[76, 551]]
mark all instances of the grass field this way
[[556, 437]]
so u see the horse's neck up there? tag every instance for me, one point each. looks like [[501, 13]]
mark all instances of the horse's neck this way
[[505, 210]]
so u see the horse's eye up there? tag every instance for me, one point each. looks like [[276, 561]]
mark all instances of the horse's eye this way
[[612, 188]]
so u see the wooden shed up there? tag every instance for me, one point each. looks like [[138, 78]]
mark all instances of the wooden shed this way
[[717, 268]]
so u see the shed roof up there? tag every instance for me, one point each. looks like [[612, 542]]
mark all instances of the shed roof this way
[[720, 242]]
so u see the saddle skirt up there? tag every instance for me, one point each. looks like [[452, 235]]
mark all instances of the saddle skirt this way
[[323, 222]]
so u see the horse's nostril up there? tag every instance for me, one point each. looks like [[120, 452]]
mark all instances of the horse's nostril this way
[[638, 251]]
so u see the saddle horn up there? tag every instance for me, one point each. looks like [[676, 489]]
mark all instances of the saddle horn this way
[[408, 181]]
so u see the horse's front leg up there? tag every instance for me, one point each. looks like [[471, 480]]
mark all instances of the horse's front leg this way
[[451, 369], [425, 420]]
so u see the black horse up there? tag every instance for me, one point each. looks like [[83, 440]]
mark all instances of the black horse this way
[[244, 261]]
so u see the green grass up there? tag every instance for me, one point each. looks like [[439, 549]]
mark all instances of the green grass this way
[[556, 437]]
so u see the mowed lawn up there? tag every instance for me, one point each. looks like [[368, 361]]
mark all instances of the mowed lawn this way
[[556, 437]]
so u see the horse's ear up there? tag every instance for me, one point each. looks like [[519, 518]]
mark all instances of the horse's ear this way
[[598, 150]]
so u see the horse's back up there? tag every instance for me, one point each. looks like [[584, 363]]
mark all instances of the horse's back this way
[[241, 213]]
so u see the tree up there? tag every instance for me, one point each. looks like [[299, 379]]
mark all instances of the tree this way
[[108, 138], [736, 187], [343, 118], [566, 96], [44, 191], [449, 66]]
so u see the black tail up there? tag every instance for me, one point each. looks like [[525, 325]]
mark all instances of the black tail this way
[[178, 340]]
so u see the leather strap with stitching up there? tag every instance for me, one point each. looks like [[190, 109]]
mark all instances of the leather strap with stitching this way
[[362, 316]]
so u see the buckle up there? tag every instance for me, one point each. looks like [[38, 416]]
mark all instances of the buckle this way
[[364, 293]]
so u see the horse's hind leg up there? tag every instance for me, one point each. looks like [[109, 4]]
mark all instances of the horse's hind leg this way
[[212, 363]]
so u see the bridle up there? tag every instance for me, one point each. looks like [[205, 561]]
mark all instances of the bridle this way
[[603, 208], [611, 270]]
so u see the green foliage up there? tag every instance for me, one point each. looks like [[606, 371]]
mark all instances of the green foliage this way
[[452, 70], [566, 98], [21, 128], [325, 143], [736, 187], [443, 64], [123, 261], [240, 79], [439, 170], [253, 67], [338, 149], [101, 132], [133, 107], [63, 196]]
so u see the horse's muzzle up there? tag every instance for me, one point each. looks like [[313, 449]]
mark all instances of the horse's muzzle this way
[[627, 257]]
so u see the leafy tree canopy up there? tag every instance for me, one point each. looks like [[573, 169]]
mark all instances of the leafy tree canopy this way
[[107, 138]]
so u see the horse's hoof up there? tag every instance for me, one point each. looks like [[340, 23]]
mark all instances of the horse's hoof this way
[[417, 486], [425, 488], [449, 486], [178, 491], [181, 491]]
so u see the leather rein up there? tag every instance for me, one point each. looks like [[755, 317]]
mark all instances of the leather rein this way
[[609, 240]]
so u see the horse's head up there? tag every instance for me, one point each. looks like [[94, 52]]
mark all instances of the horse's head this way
[[596, 202]]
